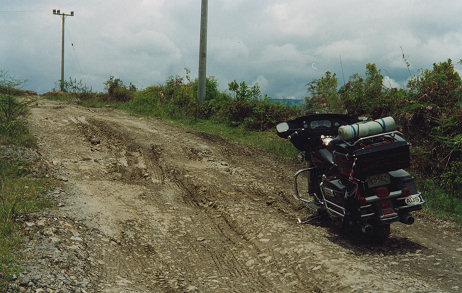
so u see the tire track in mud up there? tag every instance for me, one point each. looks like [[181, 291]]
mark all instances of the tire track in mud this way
[[130, 160], [184, 211], [220, 223], [225, 225], [224, 268]]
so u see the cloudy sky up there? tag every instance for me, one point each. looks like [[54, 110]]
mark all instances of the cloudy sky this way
[[281, 44]]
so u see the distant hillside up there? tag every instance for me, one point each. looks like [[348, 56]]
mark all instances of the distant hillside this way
[[290, 101]]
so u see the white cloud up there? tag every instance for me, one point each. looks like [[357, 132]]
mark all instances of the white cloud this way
[[262, 82], [354, 50], [228, 50], [291, 19], [283, 44], [232, 4], [390, 83]]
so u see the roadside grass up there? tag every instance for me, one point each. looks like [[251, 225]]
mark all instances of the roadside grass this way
[[439, 202], [21, 191], [267, 140], [18, 195], [89, 101]]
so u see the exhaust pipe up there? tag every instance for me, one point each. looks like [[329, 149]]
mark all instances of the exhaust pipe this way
[[407, 219]]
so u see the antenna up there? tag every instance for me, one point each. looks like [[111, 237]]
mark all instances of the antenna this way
[[408, 65], [341, 65]]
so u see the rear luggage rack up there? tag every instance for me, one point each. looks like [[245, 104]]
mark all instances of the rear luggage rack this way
[[391, 133]]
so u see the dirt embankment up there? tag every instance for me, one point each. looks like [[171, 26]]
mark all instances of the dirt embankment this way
[[150, 207]]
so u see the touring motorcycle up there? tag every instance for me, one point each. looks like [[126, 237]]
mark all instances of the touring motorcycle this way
[[356, 171]]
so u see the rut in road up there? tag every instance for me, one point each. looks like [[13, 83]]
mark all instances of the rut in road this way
[[178, 210], [223, 251]]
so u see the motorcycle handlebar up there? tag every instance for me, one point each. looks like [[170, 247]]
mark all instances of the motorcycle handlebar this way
[[296, 133]]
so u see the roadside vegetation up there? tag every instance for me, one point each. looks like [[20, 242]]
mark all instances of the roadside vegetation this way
[[21, 190], [243, 114], [428, 110]]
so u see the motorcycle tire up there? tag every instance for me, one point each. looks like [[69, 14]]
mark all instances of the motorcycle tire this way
[[381, 233]]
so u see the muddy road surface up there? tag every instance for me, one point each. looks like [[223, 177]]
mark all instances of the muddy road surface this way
[[146, 206]]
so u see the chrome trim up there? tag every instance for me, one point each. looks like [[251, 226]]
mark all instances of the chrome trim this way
[[305, 200], [366, 206], [335, 212], [297, 195], [375, 135], [329, 190], [393, 217], [367, 215], [336, 205], [408, 207], [328, 209]]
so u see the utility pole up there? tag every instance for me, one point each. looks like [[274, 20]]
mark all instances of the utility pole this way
[[58, 12], [203, 52]]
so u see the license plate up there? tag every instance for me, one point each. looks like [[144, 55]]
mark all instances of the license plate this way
[[413, 200], [378, 180]]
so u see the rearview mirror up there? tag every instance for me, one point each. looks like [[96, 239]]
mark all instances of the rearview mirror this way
[[282, 127]]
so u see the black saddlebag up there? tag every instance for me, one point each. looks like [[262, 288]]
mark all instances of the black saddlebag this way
[[372, 159]]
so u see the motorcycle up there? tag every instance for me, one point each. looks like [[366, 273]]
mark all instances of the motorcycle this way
[[356, 171]]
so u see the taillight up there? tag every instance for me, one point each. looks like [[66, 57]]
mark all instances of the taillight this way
[[387, 211], [384, 205], [382, 192], [405, 192], [362, 201]]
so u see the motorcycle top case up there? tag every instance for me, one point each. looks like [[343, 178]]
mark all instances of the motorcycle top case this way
[[372, 159]]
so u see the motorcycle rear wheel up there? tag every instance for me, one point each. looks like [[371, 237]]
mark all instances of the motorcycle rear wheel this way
[[381, 232]]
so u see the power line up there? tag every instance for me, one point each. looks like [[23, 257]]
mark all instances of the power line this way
[[20, 11], [74, 51]]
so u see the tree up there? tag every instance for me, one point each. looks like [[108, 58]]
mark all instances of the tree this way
[[440, 87], [324, 94], [242, 92], [366, 96]]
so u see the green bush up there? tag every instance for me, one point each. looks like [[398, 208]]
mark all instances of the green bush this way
[[79, 89], [117, 91], [12, 125], [250, 109], [8, 84], [177, 99], [324, 94]]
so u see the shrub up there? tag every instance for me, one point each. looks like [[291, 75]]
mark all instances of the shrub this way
[[8, 84], [12, 125], [119, 92], [249, 109], [79, 88], [324, 95], [441, 86]]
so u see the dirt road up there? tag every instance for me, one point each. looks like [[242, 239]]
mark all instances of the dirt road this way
[[146, 206]]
